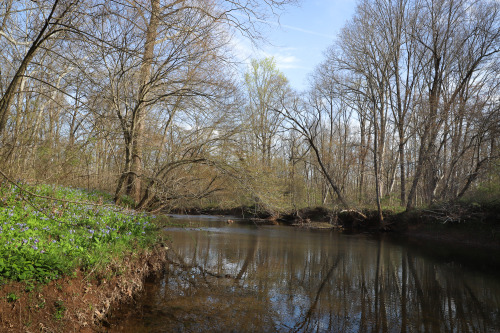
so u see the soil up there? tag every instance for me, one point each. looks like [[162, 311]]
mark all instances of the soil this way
[[451, 224], [469, 228], [79, 303]]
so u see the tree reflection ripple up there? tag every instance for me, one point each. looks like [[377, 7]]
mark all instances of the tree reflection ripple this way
[[241, 278]]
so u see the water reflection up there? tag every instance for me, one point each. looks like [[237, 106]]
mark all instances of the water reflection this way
[[263, 279]]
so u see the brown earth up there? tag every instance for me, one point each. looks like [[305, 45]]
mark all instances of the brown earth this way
[[79, 303], [453, 224]]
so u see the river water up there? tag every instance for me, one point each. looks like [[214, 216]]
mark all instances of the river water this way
[[247, 278]]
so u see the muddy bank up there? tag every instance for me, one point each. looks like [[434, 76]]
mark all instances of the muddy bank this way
[[243, 212], [78, 303], [463, 225], [459, 227], [305, 218]]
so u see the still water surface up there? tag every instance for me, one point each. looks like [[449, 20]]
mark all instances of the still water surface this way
[[244, 278]]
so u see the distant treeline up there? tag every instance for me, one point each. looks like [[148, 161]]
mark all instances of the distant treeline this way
[[142, 99]]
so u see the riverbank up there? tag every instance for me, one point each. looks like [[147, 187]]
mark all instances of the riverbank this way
[[459, 224], [78, 302], [68, 255]]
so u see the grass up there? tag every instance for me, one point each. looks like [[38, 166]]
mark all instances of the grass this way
[[12, 297], [60, 309], [43, 239]]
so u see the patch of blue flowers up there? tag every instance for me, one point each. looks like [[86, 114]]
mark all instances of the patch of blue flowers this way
[[47, 239]]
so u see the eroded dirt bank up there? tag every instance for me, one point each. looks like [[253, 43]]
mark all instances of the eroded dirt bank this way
[[78, 303], [458, 225]]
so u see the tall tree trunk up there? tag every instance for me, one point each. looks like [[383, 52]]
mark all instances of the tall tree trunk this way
[[376, 165], [362, 157], [402, 162], [134, 178], [427, 140]]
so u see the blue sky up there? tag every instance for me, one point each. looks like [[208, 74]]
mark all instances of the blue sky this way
[[300, 38]]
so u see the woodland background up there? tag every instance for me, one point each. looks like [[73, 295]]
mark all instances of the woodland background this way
[[145, 99]]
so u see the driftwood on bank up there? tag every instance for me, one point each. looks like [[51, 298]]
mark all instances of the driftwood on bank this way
[[355, 212]]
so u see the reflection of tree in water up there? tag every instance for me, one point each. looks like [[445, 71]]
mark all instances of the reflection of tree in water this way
[[203, 294], [326, 283], [305, 324], [400, 292]]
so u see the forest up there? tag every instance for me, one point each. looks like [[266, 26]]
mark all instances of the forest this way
[[117, 115], [144, 99]]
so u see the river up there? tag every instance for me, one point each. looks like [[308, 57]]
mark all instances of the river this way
[[242, 277]]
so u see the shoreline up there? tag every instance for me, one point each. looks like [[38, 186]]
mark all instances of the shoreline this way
[[475, 228], [78, 303], [69, 254]]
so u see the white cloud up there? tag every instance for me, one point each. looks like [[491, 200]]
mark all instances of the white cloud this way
[[310, 32], [286, 61], [244, 51]]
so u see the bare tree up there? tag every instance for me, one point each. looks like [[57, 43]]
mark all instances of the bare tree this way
[[49, 21], [308, 125], [452, 27]]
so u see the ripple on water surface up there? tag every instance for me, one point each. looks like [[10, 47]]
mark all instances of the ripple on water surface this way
[[244, 278]]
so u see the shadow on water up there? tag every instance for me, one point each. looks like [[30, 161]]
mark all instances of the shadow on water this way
[[244, 278]]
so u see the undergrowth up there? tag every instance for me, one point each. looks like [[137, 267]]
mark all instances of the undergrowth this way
[[42, 239]]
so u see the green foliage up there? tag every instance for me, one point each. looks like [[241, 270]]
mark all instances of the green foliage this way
[[46, 239], [12, 297], [391, 203], [60, 309], [30, 286], [486, 195], [127, 201]]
